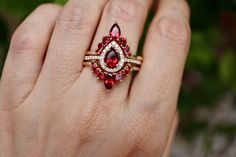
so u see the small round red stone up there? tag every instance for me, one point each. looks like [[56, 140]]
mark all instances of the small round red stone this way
[[101, 76], [128, 54], [126, 48], [100, 46], [127, 70], [97, 71], [94, 66], [105, 40], [119, 76], [122, 41]]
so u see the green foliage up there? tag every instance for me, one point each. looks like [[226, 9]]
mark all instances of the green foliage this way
[[60, 1], [20, 8], [211, 66], [226, 129], [227, 72], [201, 55]]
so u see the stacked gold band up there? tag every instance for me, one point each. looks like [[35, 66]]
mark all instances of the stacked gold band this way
[[134, 61]]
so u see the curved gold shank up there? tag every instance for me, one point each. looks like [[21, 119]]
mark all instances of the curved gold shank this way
[[134, 61]]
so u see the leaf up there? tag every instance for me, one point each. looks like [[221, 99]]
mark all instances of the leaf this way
[[61, 2], [20, 8], [201, 52], [227, 65]]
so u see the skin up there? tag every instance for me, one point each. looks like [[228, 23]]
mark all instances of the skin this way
[[50, 105]]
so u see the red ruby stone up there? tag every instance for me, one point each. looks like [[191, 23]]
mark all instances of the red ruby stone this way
[[126, 48], [109, 83], [114, 38], [122, 41], [100, 46], [128, 54], [97, 71], [101, 75], [115, 30], [119, 76], [105, 40], [97, 51], [112, 58], [127, 70], [94, 66]]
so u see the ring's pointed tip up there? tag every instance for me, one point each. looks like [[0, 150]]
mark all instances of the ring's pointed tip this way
[[109, 83], [115, 30]]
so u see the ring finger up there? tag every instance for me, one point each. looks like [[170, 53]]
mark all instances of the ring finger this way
[[130, 16]]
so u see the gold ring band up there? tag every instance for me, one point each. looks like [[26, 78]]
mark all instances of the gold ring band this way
[[89, 63], [133, 60]]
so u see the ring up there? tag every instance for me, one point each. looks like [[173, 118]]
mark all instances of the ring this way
[[112, 60]]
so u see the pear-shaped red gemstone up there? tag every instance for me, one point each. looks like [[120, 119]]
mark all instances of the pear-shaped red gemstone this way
[[112, 58], [115, 30], [109, 83]]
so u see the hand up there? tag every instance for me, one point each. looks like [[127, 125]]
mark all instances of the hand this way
[[50, 105]]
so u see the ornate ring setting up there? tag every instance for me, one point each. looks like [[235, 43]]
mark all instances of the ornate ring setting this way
[[112, 60]]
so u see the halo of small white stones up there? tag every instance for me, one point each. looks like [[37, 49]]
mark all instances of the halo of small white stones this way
[[118, 49], [110, 66]]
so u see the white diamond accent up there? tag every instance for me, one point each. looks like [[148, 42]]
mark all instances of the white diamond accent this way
[[134, 61], [87, 58], [114, 45]]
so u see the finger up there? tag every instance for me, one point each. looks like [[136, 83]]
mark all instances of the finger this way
[[70, 40], [155, 89], [164, 54], [171, 137], [26, 53], [130, 19]]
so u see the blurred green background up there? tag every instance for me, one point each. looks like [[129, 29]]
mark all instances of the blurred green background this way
[[207, 99]]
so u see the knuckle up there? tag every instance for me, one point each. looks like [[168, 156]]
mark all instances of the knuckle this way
[[174, 31], [48, 8], [133, 10], [149, 127], [76, 17], [22, 41], [91, 125]]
